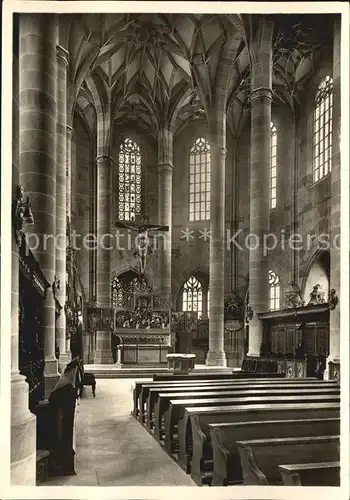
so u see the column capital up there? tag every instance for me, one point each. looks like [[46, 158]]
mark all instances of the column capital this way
[[69, 130], [62, 55], [165, 166], [260, 93], [102, 159]]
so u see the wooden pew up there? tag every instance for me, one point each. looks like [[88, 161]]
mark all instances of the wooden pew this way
[[194, 434], [141, 390], [180, 384], [144, 384], [213, 375], [163, 398], [311, 474], [226, 462], [175, 415], [260, 458]]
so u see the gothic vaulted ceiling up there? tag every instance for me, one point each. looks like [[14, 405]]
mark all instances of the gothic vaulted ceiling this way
[[161, 69]]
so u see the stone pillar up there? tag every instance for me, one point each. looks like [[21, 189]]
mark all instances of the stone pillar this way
[[261, 96], [61, 226], [69, 133], [165, 188], [216, 354], [37, 86], [103, 353], [333, 360], [23, 422]]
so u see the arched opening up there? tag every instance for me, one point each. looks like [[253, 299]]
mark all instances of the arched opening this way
[[317, 279]]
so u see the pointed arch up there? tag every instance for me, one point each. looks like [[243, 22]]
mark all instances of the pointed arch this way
[[273, 166], [129, 180], [322, 129], [274, 291], [199, 180]]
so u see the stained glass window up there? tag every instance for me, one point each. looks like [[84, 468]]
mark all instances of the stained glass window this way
[[129, 181], [200, 180], [322, 139], [117, 293], [192, 296], [273, 167], [274, 295]]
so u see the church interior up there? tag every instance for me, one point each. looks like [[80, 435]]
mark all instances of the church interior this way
[[175, 250]]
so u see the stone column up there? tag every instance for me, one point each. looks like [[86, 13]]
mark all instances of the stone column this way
[[103, 353], [333, 370], [61, 226], [216, 354], [261, 96], [37, 86], [165, 188], [69, 133], [23, 422]]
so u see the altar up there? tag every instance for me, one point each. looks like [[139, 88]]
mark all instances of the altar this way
[[141, 325]]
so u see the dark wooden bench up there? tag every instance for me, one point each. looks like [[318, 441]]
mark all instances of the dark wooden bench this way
[[163, 402], [311, 474], [226, 462], [141, 390], [42, 466], [175, 416], [213, 375], [178, 385], [194, 433], [260, 458]]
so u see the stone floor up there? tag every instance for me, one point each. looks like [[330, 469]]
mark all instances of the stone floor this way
[[113, 449]]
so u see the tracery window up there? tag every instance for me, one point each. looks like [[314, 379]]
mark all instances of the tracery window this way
[[129, 180], [322, 136], [274, 293], [273, 166], [192, 296], [117, 293], [199, 203]]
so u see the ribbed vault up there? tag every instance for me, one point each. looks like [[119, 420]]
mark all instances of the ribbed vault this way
[[163, 70]]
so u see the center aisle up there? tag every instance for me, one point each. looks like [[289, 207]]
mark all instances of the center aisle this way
[[113, 449]]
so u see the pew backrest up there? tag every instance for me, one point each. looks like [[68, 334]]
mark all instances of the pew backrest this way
[[260, 458]]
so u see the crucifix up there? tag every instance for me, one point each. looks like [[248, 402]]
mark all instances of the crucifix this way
[[143, 228]]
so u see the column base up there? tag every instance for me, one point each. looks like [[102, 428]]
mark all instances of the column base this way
[[332, 371], [253, 354], [103, 351], [216, 358], [23, 434], [63, 361], [103, 357], [51, 375]]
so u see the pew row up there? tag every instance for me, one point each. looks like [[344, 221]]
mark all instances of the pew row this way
[[226, 462], [213, 375], [175, 418], [194, 434], [260, 458], [272, 389], [311, 474], [140, 392]]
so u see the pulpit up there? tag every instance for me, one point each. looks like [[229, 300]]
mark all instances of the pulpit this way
[[181, 363]]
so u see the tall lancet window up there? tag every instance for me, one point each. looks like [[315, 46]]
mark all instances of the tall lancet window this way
[[200, 180], [129, 180], [274, 295], [273, 166], [117, 294], [192, 296], [322, 140]]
